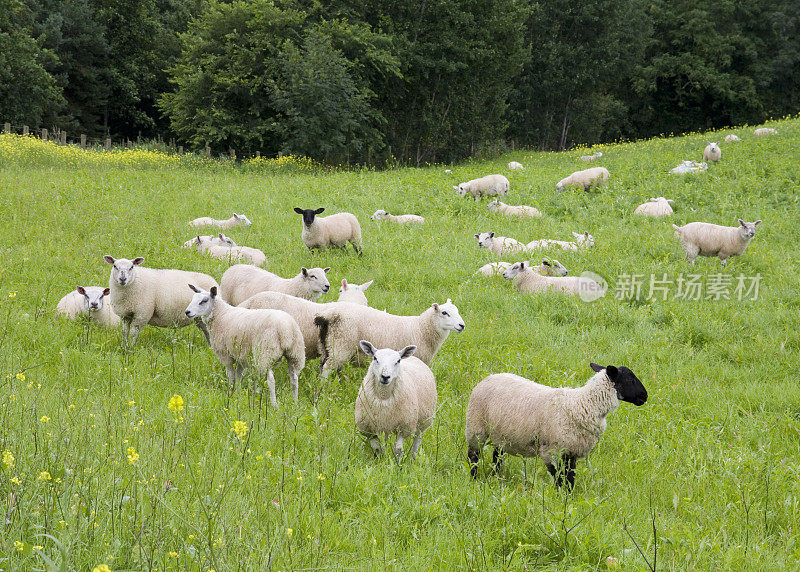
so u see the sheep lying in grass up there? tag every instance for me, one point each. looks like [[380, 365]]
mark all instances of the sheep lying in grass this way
[[333, 231], [488, 186], [342, 327], [558, 424], [235, 220], [731, 138], [657, 206], [593, 157], [397, 396], [231, 254], [712, 152], [761, 131], [242, 338], [141, 296], [511, 210], [688, 167], [515, 166], [89, 302], [499, 245], [354, 293], [585, 179], [241, 281], [400, 219], [547, 268], [706, 239], [582, 240], [530, 281], [219, 240]]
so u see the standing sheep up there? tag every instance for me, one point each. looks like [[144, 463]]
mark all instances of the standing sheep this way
[[712, 152], [333, 231], [88, 301], [558, 424], [499, 245], [242, 338], [530, 281], [706, 239], [585, 179], [761, 131], [241, 281], [510, 210], [488, 186], [397, 396], [399, 219], [657, 206], [235, 220]]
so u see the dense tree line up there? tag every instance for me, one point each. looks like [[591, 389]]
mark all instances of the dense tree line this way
[[362, 81]]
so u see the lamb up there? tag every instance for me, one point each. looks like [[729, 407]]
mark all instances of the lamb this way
[[499, 245], [342, 327], [712, 152], [242, 338], [656, 206], [514, 166], [333, 231], [354, 293], [141, 296], [510, 210], [558, 424], [529, 281], [761, 131], [688, 167], [488, 186], [581, 240], [237, 253], [400, 219], [593, 157], [705, 239], [731, 138], [241, 281], [220, 240], [585, 179], [398, 395], [235, 220], [89, 302], [547, 268]]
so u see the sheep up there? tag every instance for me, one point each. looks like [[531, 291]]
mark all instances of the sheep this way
[[241, 281], [242, 338], [220, 240], [558, 424], [761, 131], [488, 186], [547, 268], [354, 293], [712, 152], [656, 206], [585, 179], [238, 253], [581, 240], [397, 395], [731, 138], [235, 220], [705, 239], [514, 166], [529, 281], [333, 231], [88, 301], [448, 171], [593, 157], [688, 167], [499, 245], [141, 296], [342, 327], [510, 210], [400, 219]]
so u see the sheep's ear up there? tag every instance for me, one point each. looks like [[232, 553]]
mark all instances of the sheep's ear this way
[[456, 188], [477, 236], [326, 269], [237, 217], [611, 372], [137, 261], [298, 210], [106, 291], [758, 222], [491, 235], [741, 222], [449, 301], [81, 290], [366, 285], [670, 201], [596, 367], [109, 259], [367, 348], [546, 262], [319, 210], [194, 288], [586, 234], [344, 284], [523, 265], [435, 307], [304, 271], [213, 292], [221, 236], [407, 351]]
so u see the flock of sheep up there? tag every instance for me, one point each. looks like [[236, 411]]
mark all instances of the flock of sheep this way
[[253, 319]]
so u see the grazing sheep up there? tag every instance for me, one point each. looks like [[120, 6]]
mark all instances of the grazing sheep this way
[[593, 157], [706, 239], [141, 296], [242, 338], [397, 396], [547, 268], [219, 240], [657, 206], [400, 219], [235, 220], [581, 240], [688, 167], [231, 254], [712, 152], [529, 281], [731, 138], [342, 327], [89, 302], [333, 231], [558, 424], [499, 245], [488, 186], [354, 293], [241, 281], [448, 171], [585, 179], [510, 210], [514, 166], [761, 131]]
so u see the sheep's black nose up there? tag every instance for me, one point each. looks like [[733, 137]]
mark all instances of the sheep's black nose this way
[[187, 313], [384, 379]]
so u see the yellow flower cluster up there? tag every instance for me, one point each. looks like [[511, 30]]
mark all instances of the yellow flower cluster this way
[[133, 456], [176, 406], [8, 460], [240, 428]]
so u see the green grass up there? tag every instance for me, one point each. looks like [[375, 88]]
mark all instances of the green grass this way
[[711, 460]]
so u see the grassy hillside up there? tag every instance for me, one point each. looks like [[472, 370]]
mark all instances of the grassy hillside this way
[[95, 462]]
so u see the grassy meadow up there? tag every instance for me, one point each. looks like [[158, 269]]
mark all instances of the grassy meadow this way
[[98, 469]]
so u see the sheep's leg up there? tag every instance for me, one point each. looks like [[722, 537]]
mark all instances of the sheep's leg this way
[[133, 333], [473, 455], [294, 381], [398, 448], [271, 384], [126, 331], [497, 459], [415, 445], [230, 371], [377, 447], [723, 261], [570, 472]]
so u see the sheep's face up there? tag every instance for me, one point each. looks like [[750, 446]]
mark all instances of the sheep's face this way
[[202, 303], [559, 186], [447, 317], [584, 239], [308, 214], [354, 287], [494, 205], [379, 214], [385, 366], [485, 239], [628, 386], [223, 240], [462, 189], [552, 268], [123, 271], [315, 280], [515, 269], [93, 297], [748, 229], [241, 219], [713, 147]]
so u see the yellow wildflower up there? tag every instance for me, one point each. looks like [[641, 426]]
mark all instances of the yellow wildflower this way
[[101, 568], [289, 532], [21, 376], [44, 476], [240, 428], [44, 419], [19, 545], [8, 460], [133, 456], [12, 294], [176, 404], [16, 481], [173, 554]]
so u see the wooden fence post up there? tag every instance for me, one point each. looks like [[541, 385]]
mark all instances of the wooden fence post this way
[[83, 140], [107, 144], [44, 134], [63, 137], [208, 152], [280, 154], [25, 130], [232, 154], [258, 154], [180, 149], [7, 128]]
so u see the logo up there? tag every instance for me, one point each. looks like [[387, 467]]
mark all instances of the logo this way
[[591, 286]]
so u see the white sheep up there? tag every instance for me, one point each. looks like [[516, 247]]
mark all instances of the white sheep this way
[[354, 293], [558, 424], [515, 166], [530, 281], [731, 138], [582, 240], [706, 239], [488, 186], [512, 210], [141, 296], [241, 281], [448, 171], [220, 240], [342, 327], [397, 396], [688, 167], [499, 245], [656, 206], [400, 219], [585, 179], [231, 254], [333, 231], [547, 268], [761, 131], [593, 157], [242, 338], [90, 302], [235, 220], [712, 152]]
